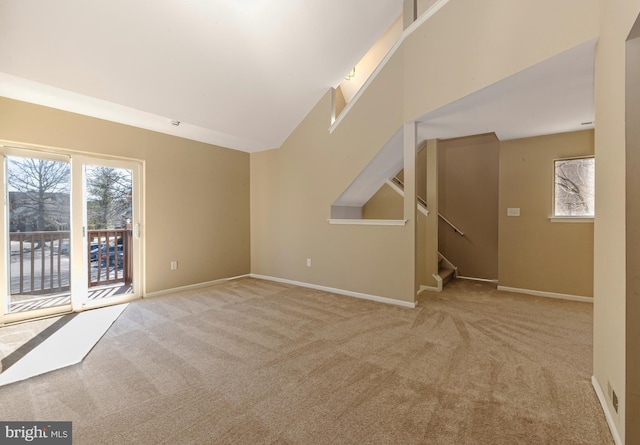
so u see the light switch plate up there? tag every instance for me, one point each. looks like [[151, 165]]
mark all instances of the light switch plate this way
[[513, 211]]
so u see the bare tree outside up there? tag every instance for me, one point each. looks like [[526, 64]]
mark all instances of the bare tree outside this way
[[109, 194], [575, 187], [38, 194], [39, 222]]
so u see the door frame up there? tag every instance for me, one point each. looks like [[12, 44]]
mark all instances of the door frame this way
[[5, 293], [80, 287]]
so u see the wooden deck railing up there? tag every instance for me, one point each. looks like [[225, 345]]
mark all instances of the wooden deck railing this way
[[40, 262], [113, 262]]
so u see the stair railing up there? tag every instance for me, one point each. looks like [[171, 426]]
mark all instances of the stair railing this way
[[455, 229], [399, 182]]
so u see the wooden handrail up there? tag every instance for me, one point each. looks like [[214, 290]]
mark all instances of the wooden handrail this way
[[399, 182], [455, 229]]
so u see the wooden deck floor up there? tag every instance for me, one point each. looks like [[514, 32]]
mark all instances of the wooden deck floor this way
[[64, 298]]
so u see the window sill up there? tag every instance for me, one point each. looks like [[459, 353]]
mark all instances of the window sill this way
[[369, 222], [571, 219]]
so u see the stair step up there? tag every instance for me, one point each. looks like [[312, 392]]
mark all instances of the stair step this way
[[446, 274]]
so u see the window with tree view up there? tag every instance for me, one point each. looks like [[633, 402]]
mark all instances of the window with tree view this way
[[109, 193], [574, 187]]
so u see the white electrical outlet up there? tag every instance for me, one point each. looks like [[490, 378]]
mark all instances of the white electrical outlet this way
[[308, 262], [174, 265]]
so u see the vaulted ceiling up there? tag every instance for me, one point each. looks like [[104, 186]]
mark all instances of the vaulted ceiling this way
[[236, 73]]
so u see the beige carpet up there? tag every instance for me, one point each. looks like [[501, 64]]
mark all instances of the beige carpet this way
[[252, 361]]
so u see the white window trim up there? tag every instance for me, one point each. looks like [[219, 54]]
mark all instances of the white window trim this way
[[571, 219]]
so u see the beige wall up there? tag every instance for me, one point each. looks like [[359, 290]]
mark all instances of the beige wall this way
[[616, 20], [429, 162], [534, 253], [421, 171], [423, 276], [468, 197], [371, 60], [386, 203], [633, 236], [292, 188], [424, 5], [468, 194], [196, 195]]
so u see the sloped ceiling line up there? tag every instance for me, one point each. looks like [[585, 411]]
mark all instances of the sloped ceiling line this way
[[239, 74]]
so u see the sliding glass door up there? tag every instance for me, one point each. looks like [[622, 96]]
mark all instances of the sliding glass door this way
[[71, 233], [36, 234], [110, 237]]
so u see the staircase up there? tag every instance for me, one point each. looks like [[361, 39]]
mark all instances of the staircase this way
[[446, 271]]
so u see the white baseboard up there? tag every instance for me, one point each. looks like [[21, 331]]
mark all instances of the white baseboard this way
[[429, 288], [333, 290], [539, 293], [607, 411], [437, 288], [191, 286]]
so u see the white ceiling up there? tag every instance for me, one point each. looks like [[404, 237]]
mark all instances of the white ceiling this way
[[236, 73], [553, 96]]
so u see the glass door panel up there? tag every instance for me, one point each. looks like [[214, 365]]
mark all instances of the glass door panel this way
[[109, 212], [38, 224]]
